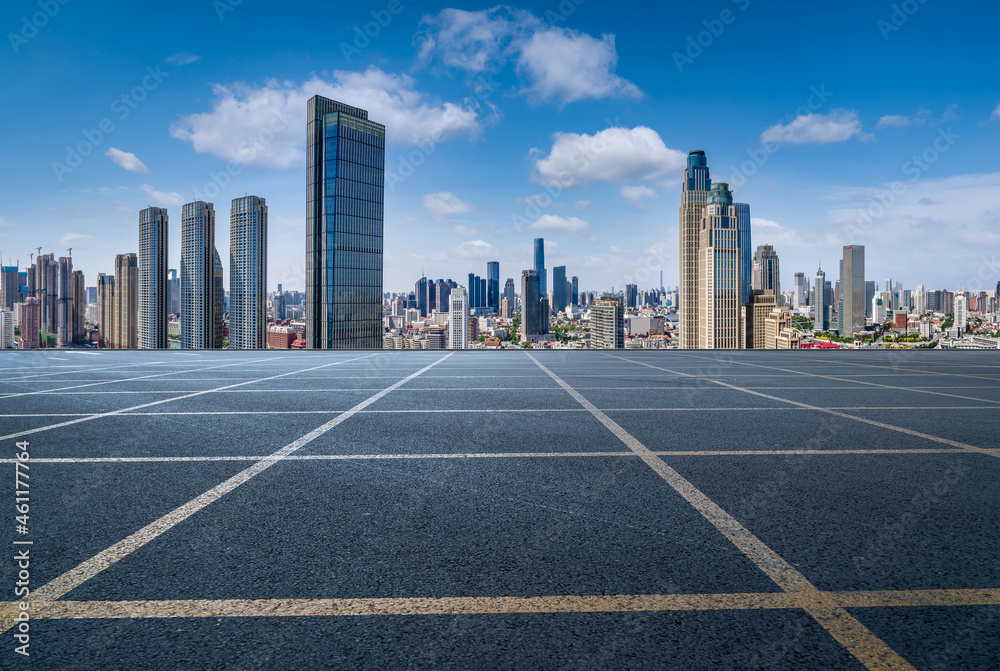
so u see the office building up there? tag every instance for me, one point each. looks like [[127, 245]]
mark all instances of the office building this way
[[197, 275], [508, 297], [345, 184], [724, 271], [532, 320], [631, 296], [869, 297], [766, 275], [543, 285], [697, 184], [559, 298], [853, 290], [126, 311], [607, 323], [420, 293], [779, 332], [174, 288], [799, 299], [78, 306], [575, 289], [493, 285], [248, 273], [458, 319], [762, 304], [153, 290], [821, 312]]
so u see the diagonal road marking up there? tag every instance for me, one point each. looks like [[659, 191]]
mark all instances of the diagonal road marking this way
[[868, 648]]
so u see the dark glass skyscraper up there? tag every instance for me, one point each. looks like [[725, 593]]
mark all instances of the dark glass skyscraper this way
[[493, 285], [558, 289], [345, 182], [543, 285]]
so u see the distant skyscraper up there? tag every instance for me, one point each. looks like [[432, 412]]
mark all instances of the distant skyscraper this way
[[508, 295], [197, 275], [126, 301], [420, 291], [799, 298], [766, 275], [607, 323], [153, 288], [458, 319], [6, 328], [559, 298], [344, 217], [174, 289], [631, 296], [697, 184], [821, 312], [575, 298], [248, 273], [218, 302], [543, 285], [961, 312], [106, 311], [724, 271], [852, 316], [869, 296], [493, 285], [64, 309], [8, 287], [78, 306], [531, 319], [31, 324]]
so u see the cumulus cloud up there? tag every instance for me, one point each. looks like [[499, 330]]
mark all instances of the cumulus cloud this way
[[635, 194], [613, 155], [763, 224], [837, 126], [922, 117], [442, 205], [996, 114], [262, 125], [166, 198], [894, 121], [555, 64], [553, 222], [475, 249], [465, 231], [127, 160], [183, 58], [582, 205]]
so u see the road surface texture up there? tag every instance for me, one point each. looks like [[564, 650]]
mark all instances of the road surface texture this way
[[503, 510]]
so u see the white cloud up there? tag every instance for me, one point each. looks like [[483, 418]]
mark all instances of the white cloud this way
[[553, 222], [168, 198], [635, 194], [71, 239], [474, 249], [583, 205], [466, 232], [262, 125], [613, 155], [996, 114], [894, 121], [183, 58], [766, 224], [566, 66], [442, 205], [127, 160], [555, 64], [837, 126]]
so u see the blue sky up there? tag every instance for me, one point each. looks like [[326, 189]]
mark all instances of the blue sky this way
[[868, 123]]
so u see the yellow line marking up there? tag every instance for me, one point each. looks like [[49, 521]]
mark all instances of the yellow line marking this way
[[868, 648], [624, 603], [945, 441], [75, 577]]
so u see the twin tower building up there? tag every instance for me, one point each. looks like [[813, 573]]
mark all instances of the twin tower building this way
[[201, 289]]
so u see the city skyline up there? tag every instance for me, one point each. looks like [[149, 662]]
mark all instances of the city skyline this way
[[606, 223]]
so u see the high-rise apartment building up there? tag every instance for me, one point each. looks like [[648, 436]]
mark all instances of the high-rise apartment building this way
[[543, 285], [697, 184], [197, 275], [799, 298], [9, 292], [218, 301], [153, 290], [126, 310], [345, 181], [852, 287], [106, 311], [559, 299], [766, 274], [248, 273], [31, 324], [724, 271], [64, 308], [607, 323], [493, 285], [78, 306], [458, 319], [508, 295], [961, 312], [6, 328]]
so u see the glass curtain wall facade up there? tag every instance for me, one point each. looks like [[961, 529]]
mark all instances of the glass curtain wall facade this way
[[543, 284], [153, 294], [724, 271], [345, 186], [248, 273], [697, 184], [493, 285]]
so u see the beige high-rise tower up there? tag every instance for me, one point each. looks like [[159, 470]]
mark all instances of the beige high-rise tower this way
[[126, 301], [697, 184], [724, 271]]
